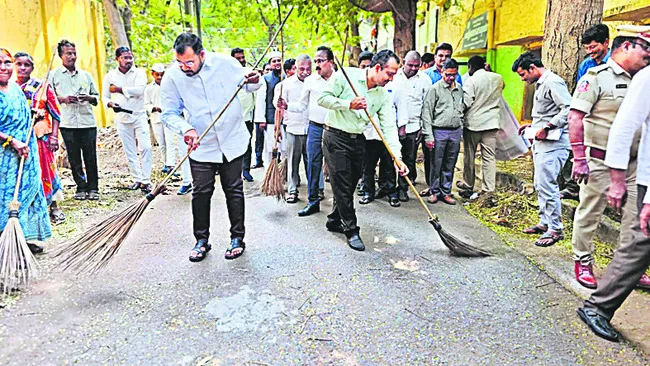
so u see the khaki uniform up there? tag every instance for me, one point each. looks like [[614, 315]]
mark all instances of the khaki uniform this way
[[599, 94]]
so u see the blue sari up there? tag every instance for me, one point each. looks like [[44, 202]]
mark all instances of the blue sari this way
[[33, 215]]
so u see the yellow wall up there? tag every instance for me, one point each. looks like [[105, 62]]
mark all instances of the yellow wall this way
[[36, 26], [629, 10]]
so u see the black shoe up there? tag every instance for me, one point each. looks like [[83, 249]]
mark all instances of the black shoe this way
[[366, 199], [258, 165], [321, 194], [35, 249], [135, 186], [355, 242], [361, 192], [146, 188], [402, 196], [394, 201], [247, 176], [381, 193], [311, 208], [334, 226], [598, 324]]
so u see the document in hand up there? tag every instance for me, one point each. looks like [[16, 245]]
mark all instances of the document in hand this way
[[553, 135]]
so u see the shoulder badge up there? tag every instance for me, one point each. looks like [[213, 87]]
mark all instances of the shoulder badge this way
[[596, 69], [583, 87]]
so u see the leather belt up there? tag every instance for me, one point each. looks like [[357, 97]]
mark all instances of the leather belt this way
[[321, 125], [597, 153], [343, 133]]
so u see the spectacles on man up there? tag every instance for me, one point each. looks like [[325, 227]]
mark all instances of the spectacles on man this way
[[320, 60], [644, 46]]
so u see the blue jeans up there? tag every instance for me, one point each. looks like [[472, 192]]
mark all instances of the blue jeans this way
[[547, 168], [315, 177]]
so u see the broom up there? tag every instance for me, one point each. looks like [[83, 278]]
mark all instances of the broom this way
[[17, 263], [93, 250], [273, 183], [457, 246]]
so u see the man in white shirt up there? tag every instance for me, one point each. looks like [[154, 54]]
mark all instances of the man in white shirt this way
[[247, 101], [296, 123], [170, 142], [311, 91], [123, 91], [411, 87], [265, 109], [201, 83]]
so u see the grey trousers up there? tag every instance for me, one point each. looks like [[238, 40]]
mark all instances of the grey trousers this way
[[296, 150], [624, 271], [443, 160], [547, 168], [488, 141]]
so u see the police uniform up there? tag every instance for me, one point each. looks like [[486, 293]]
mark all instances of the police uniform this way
[[599, 94]]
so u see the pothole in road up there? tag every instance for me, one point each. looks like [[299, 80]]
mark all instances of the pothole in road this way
[[246, 311]]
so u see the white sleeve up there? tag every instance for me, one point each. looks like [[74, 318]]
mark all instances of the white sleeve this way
[[260, 104]]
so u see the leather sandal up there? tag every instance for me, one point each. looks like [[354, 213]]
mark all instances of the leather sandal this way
[[236, 243], [292, 198], [549, 238], [200, 251], [535, 229]]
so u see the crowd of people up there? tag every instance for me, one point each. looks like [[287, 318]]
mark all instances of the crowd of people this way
[[420, 100]]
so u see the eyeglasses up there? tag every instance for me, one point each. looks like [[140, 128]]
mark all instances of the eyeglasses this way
[[644, 46], [320, 60], [189, 63]]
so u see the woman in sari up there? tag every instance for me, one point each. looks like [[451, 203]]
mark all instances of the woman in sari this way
[[46, 130], [15, 120]]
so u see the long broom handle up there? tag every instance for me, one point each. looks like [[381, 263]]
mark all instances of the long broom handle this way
[[381, 136], [221, 112], [278, 124], [31, 128], [345, 44]]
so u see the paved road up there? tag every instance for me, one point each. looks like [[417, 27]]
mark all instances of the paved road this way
[[299, 295]]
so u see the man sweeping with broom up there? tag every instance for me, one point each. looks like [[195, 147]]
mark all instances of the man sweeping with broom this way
[[201, 84], [343, 140]]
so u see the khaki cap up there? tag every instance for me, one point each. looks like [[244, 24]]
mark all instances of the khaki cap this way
[[635, 31]]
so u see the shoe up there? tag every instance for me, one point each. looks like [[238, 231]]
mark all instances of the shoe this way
[[93, 195], [644, 282], [403, 196], [247, 176], [135, 186], [432, 199], [166, 169], [585, 275], [381, 193], [366, 199], [80, 196], [321, 194], [146, 188], [474, 196], [311, 208], [334, 226], [465, 194], [355, 242], [566, 194], [185, 189], [598, 324], [258, 165], [361, 192], [448, 200], [463, 186], [35, 249], [394, 201]]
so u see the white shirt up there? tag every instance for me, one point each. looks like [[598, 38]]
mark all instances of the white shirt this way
[[295, 122], [311, 90], [202, 96], [634, 113], [151, 100], [259, 114], [133, 84], [409, 95]]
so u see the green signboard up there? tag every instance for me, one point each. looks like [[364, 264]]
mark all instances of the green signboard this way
[[476, 33]]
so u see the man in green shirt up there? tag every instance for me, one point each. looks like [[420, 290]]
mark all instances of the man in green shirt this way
[[343, 141]]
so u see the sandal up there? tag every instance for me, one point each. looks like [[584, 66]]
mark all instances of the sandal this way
[[463, 186], [425, 193], [57, 216], [293, 198], [201, 249], [535, 229], [549, 238], [235, 244]]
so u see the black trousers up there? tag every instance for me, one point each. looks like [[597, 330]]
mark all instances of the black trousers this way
[[427, 163], [259, 144], [203, 179], [82, 142], [343, 155], [409, 154], [376, 153], [247, 156]]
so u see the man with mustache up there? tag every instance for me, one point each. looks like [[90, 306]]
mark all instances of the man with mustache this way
[[202, 82], [123, 91], [247, 101], [265, 109], [593, 108]]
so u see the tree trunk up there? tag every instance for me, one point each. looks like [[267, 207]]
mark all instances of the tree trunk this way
[[126, 14], [565, 22], [356, 46], [188, 14], [404, 15], [115, 25]]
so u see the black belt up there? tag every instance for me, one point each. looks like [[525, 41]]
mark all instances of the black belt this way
[[343, 133], [597, 153], [321, 125]]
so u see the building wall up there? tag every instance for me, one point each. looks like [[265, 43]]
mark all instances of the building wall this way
[[37, 26], [637, 11]]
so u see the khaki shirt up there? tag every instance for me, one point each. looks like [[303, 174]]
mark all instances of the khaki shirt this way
[[599, 94], [482, 97], [75, 115], [443, 108]]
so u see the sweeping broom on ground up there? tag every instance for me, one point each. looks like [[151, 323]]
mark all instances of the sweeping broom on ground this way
[[97, 246], [17, 263], [457, 246], [273, 183]]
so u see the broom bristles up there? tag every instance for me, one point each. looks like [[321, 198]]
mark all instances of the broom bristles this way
[[17, 263], [456, 246], [94, 249], [273, 184]]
